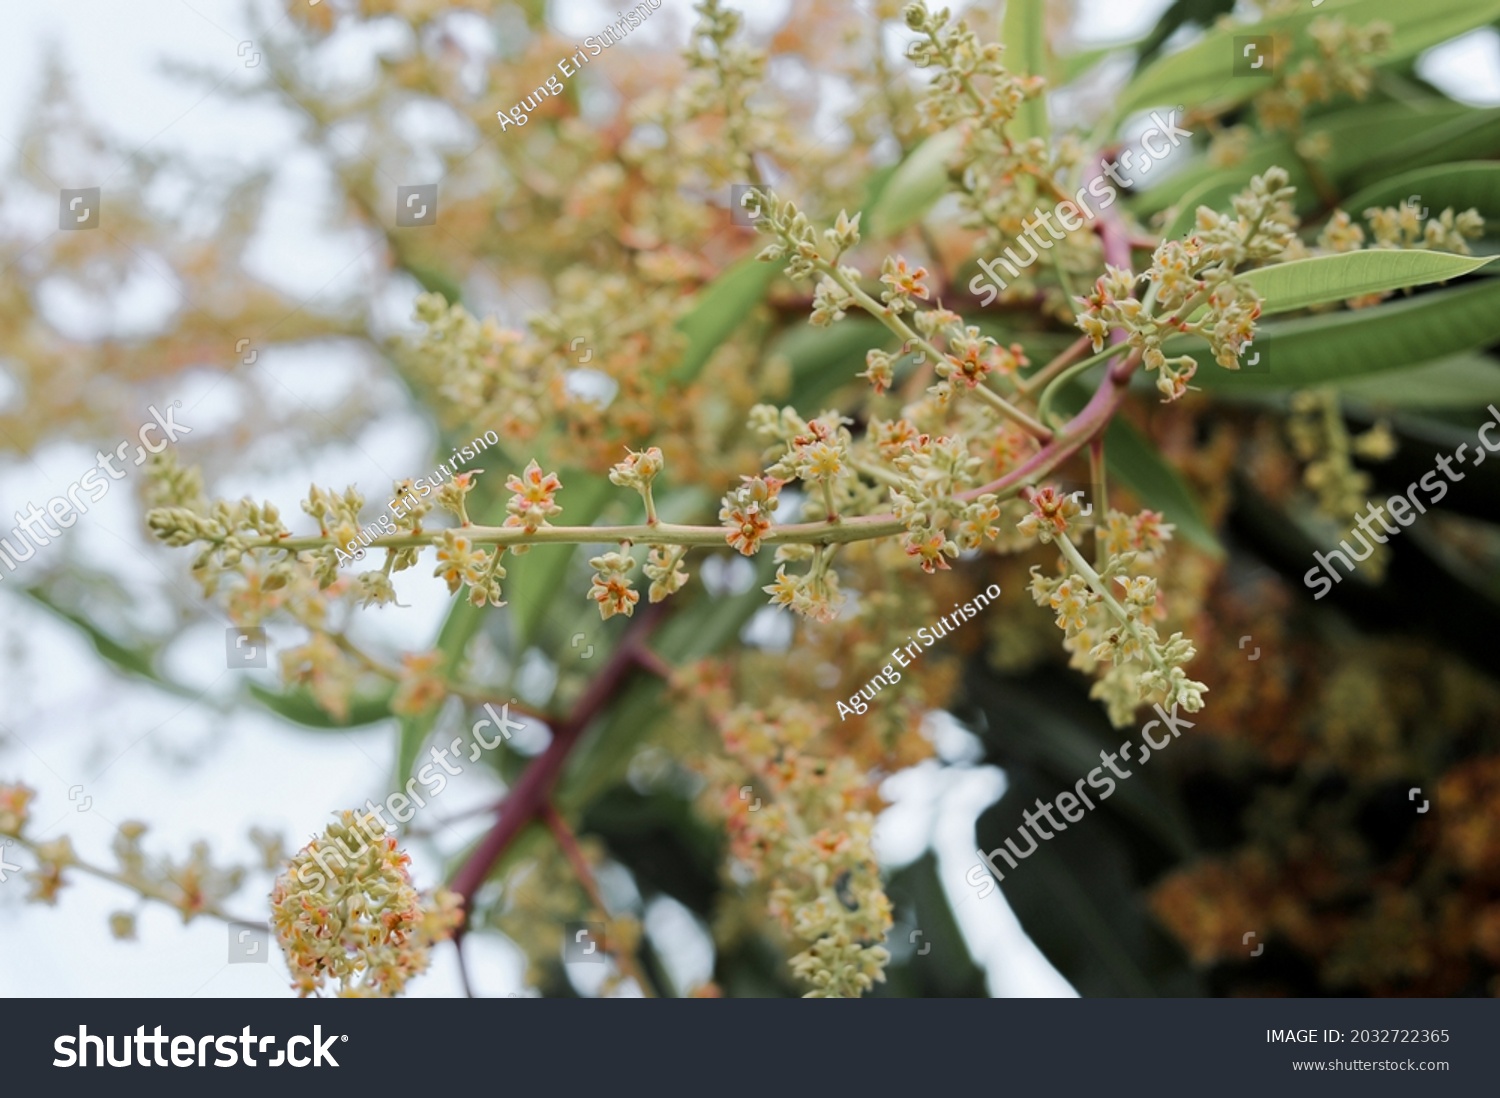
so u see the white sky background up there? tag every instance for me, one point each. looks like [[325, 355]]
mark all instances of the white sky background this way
[[193, 772]]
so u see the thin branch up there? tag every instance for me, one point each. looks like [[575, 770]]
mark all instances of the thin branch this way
[[143, 889], [1062, 361], [649, 661], [463, 969], [568, 842], [534, 787], [473, 695], [1100, 495]]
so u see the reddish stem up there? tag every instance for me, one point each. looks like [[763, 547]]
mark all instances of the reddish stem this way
[[531, 791]]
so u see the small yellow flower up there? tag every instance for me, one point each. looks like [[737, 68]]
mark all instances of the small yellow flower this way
[[532, 503], [611, 587], [1051, 511], [931, 549], [420, 687], [14, 813], [459, 562], [902, 280], [345, 910]]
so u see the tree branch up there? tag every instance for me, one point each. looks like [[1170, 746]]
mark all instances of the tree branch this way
[[529, 795]]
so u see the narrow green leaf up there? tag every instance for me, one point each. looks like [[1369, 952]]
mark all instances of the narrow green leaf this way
[[1464, 381], [1196, 14], [1321, 350], [822, 359], [1024, 35], [1472, 184], [1324, 278], [1145, 472], [299, 707], [720, 310], [434, 281], [1080, 901], [1070, 67], [138, 660], [1357, 137], [1472, 135], [1059, 738], [1205, 71], [921, 180]]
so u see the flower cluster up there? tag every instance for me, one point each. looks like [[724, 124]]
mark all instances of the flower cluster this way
[[638, 469], [815, 593], [357, 922], [746, 512], [806, 836], [1341, 64], [1322, 442], [1402, 227], [1393, 227], [1105, 612], [15, 808], [999, 179], [723, 74], [460, 562], [1197, 274], [611, 587], [193, 887]]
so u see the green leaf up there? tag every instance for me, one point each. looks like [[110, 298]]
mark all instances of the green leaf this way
[[1024, 34], [1070, 67], [1357, 136], [1079, 894], [1145, 472], [434, 281], [300, 707], [1079, 900], [138, 660], [1204, 72], [822, 359], [1470, 136], [1464, 381], [1458, 187], [1198, 14], [1321, 350], [911, 191], [916, 893], [1324, 278], [719, 311], [1059, 734]]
